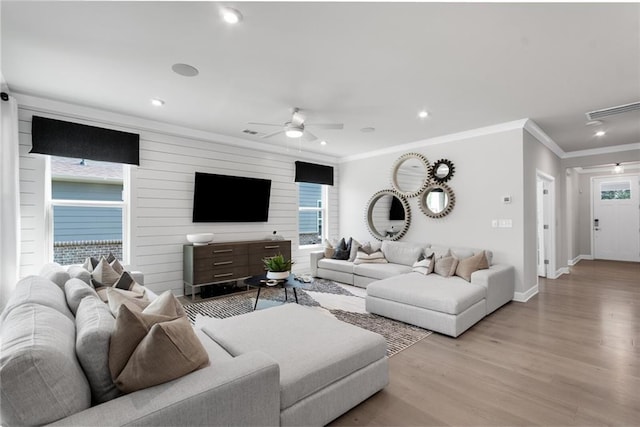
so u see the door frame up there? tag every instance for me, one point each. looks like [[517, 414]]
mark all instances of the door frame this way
[[591, 203], [549, 214]]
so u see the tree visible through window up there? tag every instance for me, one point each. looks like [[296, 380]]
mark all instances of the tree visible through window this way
[[615, 190], [311, 213], [87, 209]]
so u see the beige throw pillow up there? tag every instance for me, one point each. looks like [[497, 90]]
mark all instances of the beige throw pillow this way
[[116, 297], [170, 350], [446, 267], [469, 265], [373, 258], [117, 266], [329, 249], [353, 251]]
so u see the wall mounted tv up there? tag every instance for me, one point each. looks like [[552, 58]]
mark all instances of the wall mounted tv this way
[[224, 198]]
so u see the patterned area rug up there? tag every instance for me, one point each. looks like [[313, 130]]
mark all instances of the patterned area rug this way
[[340, 301]]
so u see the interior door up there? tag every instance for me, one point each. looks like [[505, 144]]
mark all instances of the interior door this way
[[616, 218], [541, 230]]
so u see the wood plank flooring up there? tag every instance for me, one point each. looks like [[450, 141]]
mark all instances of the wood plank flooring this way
[[570, 356]]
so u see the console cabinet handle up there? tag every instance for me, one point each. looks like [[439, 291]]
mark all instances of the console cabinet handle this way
[[222, 275], [221, 251], [272, 247], [222, 263]]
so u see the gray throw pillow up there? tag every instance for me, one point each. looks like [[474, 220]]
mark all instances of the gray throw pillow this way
[[343, 250], [446, 267]]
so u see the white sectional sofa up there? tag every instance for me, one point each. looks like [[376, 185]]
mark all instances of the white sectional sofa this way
[[448, 305]]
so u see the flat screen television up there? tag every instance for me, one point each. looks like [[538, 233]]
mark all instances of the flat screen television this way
[[225, 198]]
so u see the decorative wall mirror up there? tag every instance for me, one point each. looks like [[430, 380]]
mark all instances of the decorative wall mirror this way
[[442, 170], [437, 200], [388, 215], [410, 174]]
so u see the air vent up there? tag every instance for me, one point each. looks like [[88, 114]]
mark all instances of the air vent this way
[[612, 111], [250, 132]]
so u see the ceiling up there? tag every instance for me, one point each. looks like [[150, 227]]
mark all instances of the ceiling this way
[[365, 65]]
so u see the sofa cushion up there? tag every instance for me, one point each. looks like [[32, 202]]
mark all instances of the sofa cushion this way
[[404, 253], [451, 295], [40, 375], [313, 350], [336, 265], [79, 272], [37, 290], [75, 290], [380, 271], [94, 324], [56, 273]]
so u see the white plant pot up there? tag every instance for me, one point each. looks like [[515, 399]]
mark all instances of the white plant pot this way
[[277, 275]]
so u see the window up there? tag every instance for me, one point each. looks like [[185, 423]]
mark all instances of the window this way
[[615, 190], [312, 213], [88, 209]]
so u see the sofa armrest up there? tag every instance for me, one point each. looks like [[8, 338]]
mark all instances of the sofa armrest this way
[[315, 257], [499, 279], [243, 391]]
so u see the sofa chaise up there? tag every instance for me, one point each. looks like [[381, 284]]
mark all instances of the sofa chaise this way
[[448, 305], [286, 365]]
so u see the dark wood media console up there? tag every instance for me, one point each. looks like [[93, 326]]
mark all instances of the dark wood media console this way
[[223, 262]]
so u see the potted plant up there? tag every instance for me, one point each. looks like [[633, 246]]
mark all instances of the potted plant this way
[[277, 267]]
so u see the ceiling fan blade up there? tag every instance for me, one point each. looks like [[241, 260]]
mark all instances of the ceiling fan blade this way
[[264, 124], [326, 125], [269, 135], [308, 136]]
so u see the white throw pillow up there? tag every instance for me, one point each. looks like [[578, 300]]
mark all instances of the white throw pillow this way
[[373, 258]]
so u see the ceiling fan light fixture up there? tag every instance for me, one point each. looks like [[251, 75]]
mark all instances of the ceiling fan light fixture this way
[[230, 15], [293, 133]]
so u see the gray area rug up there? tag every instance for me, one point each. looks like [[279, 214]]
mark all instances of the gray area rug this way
[[399, 335]]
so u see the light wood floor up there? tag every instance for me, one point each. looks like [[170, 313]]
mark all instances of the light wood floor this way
[[570, 356]]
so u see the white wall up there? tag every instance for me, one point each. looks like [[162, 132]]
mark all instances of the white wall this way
[[487, 167], [162, 193]]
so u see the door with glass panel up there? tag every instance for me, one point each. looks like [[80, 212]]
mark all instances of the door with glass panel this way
[[616, 218]]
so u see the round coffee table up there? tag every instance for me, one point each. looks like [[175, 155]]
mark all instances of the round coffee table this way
[[260, 282]]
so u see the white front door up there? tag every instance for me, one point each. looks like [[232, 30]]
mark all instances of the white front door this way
[[616, 218]]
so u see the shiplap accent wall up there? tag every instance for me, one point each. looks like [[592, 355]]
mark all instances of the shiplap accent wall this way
[[162, 197]]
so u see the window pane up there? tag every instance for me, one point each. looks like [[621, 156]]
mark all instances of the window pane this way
[[310, 221], [615, 190], [78, 179], [80, 231]]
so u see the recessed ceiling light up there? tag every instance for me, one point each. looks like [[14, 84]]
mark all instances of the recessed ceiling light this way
[[231, 16], [157, 102], [618, 168], [323, 142], [185, 70], [600, 133], [423, 114], [368, 129]]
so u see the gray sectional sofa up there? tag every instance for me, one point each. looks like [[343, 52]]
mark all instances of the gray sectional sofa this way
[[287, 365], [448, 305]]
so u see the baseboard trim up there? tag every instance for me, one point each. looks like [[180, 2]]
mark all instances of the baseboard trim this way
[[558, 273], [525, 296], [579, 258]]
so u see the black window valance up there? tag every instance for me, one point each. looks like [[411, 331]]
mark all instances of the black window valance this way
[[311, 172], [66, 139]]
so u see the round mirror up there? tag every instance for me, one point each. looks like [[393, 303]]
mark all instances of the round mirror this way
[[437, 201], [410, 174], [442, 170], [388, 215]]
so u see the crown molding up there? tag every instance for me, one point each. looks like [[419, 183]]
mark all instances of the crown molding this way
[[537, 132], [140, 125], [488, 130], [602, 150]]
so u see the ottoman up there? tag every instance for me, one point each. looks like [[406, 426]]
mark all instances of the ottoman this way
[[326, 366]]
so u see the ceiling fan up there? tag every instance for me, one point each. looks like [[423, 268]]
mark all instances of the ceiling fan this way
[[296, 127]]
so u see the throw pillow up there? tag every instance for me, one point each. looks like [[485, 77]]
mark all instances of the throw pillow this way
[[125, 281], [446, 267], [469, 265], [366, 248], [424, 266], [329, 249], [353, 251], [104, 274], [343, 250], [117, 266], [90, 263], [373, 258], [168, 351], [111, 257], [116, 297]]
